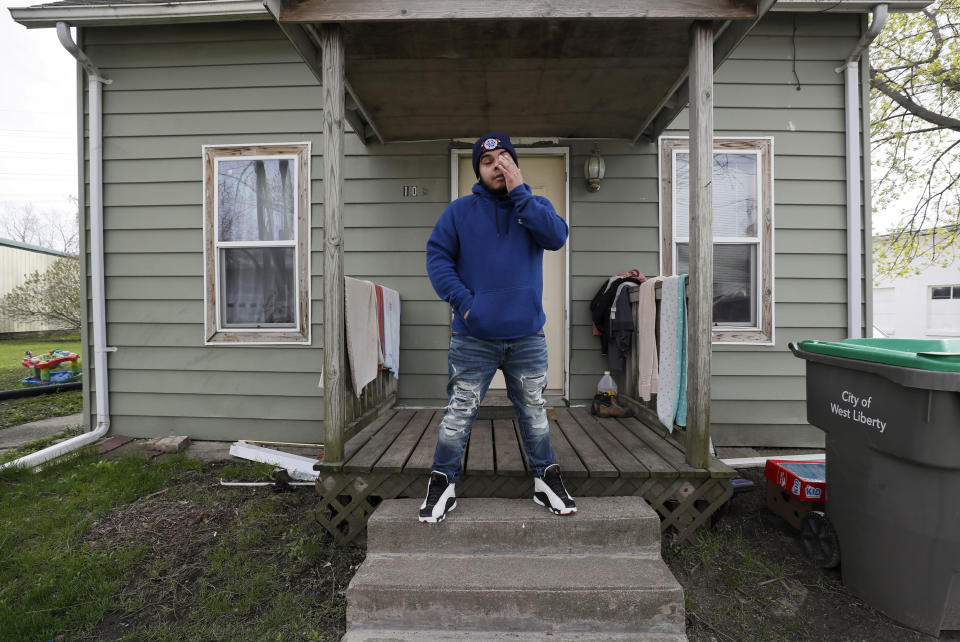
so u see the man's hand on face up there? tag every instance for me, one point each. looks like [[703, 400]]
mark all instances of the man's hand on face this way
[[511, 172]]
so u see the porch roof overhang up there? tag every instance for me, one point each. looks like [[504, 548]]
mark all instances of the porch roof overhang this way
[[438, 69]]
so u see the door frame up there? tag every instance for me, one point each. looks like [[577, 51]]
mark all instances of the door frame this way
[[564, 152]]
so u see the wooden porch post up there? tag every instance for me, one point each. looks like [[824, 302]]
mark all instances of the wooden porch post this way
[[700, 330], [333, 301]]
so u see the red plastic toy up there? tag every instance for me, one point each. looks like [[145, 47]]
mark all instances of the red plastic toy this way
[[796, 491]]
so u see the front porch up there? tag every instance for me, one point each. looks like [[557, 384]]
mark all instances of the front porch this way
[[392, 456]]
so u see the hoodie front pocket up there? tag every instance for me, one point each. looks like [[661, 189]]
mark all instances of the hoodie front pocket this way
[[502, 314]]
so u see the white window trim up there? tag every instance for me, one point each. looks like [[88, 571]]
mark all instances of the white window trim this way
[[763, 332], [214, 331]]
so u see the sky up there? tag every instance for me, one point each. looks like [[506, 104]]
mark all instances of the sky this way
[[38, 129]]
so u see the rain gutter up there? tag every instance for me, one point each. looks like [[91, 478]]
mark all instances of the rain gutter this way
[[854, 145], [121, 13], [95, 81]]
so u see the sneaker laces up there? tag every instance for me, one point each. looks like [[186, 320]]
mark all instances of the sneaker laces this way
[[553, 480], [434, 489]]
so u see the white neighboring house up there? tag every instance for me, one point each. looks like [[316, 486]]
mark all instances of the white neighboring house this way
[[925, 305], [17, 262]]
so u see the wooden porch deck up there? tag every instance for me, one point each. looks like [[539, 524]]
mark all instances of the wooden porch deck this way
[[392, 457]]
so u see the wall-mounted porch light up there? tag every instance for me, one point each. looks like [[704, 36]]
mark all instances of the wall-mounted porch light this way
[[593, 170]]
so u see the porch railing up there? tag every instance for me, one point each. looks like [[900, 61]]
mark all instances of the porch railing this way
[[378, 395]]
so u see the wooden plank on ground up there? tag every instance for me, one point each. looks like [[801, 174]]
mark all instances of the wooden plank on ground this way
[[625, 462], [421, 460], [371, 452], [507, 449], [396, 456], [593, 459], [480, 453], [660, 446]]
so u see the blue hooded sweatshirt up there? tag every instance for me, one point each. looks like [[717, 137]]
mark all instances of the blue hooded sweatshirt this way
[[485, 255]]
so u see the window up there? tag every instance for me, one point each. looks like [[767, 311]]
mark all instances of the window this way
[[943, 310], [945, 292], [742, 231], [256, 214]]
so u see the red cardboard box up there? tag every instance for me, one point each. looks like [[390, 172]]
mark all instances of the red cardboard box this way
[[805, 480]]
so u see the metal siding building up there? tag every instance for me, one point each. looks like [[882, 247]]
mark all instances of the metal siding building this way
[[17, 262]]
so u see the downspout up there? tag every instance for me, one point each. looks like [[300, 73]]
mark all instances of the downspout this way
[[851, 71], [95, 79]]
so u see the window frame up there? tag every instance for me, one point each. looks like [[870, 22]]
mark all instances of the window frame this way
[[942, 302], [215, 333], [954, 294], [763, 332]]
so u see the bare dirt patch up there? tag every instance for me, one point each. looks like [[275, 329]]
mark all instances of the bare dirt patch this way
[[223, 563], [160, 525]]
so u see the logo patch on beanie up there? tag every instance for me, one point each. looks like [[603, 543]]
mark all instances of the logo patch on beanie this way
[[491, 143]]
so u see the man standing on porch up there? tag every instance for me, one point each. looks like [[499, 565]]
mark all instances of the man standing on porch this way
[[485, 258]]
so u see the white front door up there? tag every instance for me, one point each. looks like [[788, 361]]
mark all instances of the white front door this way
[[547, 176]]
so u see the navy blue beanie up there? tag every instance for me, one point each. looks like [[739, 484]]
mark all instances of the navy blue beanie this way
[[488, 142]]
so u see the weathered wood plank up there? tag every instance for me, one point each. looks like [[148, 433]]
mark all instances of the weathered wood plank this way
[[403, 446], [418, 10], [654, 463], [361, 438], [480, 459], [593, 459], [626, 463], [334, 381], [567, 458], [370, 453], [701, 243], [668, 452], [507, 449], [716, 467], [421, 460]]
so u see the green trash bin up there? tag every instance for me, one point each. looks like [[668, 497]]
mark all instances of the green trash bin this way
[[890, 409]]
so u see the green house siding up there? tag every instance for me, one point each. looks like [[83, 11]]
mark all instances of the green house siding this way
[[177, 88], [759, 394]]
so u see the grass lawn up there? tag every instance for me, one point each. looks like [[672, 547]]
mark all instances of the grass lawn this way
[[14, 412], [134, 548]]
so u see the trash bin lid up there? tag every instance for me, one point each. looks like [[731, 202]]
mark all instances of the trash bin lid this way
[[942, 355]]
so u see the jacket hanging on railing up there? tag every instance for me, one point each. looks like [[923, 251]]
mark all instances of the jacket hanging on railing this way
[[613, 319]]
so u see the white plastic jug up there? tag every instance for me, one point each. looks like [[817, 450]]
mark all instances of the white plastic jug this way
[[607, 385]]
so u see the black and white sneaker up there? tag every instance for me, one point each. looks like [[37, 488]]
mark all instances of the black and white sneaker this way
[[441, 499], [549, 491]]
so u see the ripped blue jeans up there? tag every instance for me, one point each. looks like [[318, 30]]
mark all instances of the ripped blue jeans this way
[[472, 363]]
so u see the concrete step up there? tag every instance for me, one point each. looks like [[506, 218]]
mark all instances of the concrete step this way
[[486, 525], [516, 593], [399, 635]]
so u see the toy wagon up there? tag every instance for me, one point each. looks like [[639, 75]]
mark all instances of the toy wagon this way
[[796, 491]]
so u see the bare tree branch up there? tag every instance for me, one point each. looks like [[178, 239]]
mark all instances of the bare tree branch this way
[[918, 110]]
